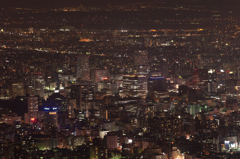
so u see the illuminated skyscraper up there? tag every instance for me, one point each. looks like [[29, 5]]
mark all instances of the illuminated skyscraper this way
[[156, 83], [100, 75], [82, 93], [111, 142], [164, 69], [31, 82], [200, 76], [135, 86], [32, 107], [51, 118], [16, 89], [83, 70], [32, 115], [141, 62], [233, 89], [71, 106], [157, 88]]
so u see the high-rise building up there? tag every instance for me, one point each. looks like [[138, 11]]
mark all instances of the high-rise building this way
[[160, 67], [233, 89], [82, 93], [71, 106], [212, 87], [164, 69], [51, 117], [140, 57], [127, 147], [200, 76], [31, 81], [36, 81], [157, 88], [141, 65], [39, 87], [32, 108], [111, 142], [156, 84], [16, 89], [135, 86], [83, 69], [221, 77], [100, 75]]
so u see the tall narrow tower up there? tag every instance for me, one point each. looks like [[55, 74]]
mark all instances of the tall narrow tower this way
[[83, 69], [141, 65], [32, 108]]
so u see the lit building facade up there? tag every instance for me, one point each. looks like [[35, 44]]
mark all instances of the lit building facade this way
[[71, 106], [83, 69], [157, 88], [233, 89], [100, 75], [32, 108], [51, 117], [111, 142], [16, 89], [141, 65], [135, 86]]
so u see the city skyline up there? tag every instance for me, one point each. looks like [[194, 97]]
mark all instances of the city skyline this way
[[120, 79]]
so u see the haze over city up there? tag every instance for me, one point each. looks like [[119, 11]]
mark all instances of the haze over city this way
[[134, 79]]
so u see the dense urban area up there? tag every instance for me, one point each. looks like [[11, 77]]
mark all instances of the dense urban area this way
[[154, 80]]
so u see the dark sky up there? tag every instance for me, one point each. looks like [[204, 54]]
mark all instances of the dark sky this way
[[61, 3], [72, 3]]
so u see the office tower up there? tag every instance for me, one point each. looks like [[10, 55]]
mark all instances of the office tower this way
[[159, 67], [233, 89], [127, 147], [157, 88], [226, 70], [221, 77], [175, 70], [114, 88], [200, 61], [71, 106], [102, 85], [140, 57], [51, 117], [31, 81], [32, 108], [135, 86], [200, 76], [16, 89], [141, 65], [82, 93], [156, 83], [100, 75], [36, 84], [163, 67], [39, 86], [212, 87], [111, 142], [86, 94], [83, 69]]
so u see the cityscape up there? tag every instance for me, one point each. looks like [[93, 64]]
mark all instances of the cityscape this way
[[157, 79]]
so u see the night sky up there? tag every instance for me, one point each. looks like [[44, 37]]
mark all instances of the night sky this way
[[230, 4], [62, 3]]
